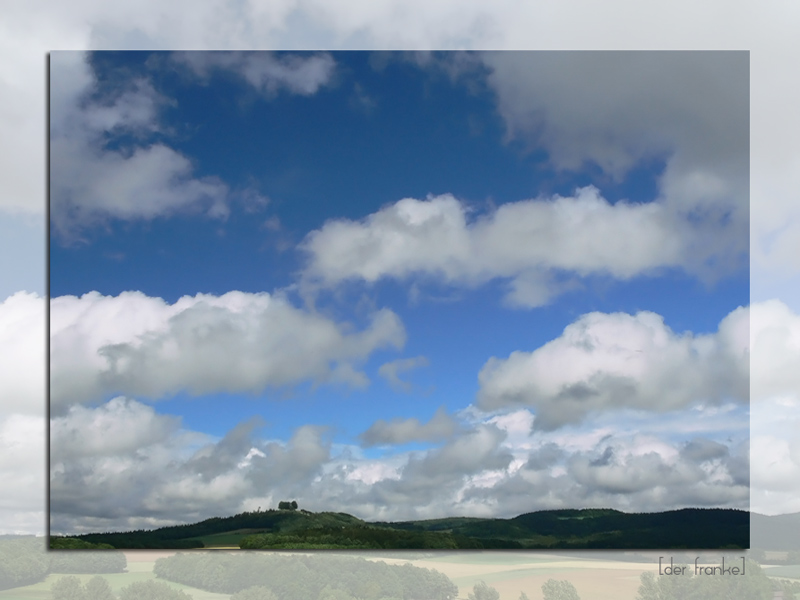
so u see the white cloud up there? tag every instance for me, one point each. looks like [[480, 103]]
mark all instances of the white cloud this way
[[524, 241], [92, 182], [126, 426], [775, 343], [777, 467], [427, 485], [23, 368], [156, 474], [775, 453], [611, 361], [136, 345], [618, 110], [484, 470], [615, 109], [22, 464], [390, 371], [402, 431], [293, 464], [265, 71], [775, 408], [89, 182]]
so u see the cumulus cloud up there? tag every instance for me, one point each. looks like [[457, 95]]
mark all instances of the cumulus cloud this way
[[612, 361], [491, 468], [618, 110], [23, 467], [775, 340], [775, 397], [127, 426], [133, 344], [292, 463], [485, 471], [547, 455], [613, 110], [159, 474], [402, 431], [90, 180], [527, 242], [428, 484], [391, 371], [775, 457], [22, 354], [625, 476], [108, 154], [268, 73]]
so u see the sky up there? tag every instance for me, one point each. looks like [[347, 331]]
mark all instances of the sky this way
[[400, 285], [32, 30]]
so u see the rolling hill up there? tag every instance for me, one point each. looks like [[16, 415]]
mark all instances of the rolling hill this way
[[710, 528]]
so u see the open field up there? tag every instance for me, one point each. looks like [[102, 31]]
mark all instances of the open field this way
[[784, 571], [141, 571], [594, 580], [508, 572]]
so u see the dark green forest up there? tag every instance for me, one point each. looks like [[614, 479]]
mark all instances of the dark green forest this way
[[552, 529]]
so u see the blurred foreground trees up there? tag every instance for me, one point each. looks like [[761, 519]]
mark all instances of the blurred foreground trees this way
[[25, 561], [482, 591], [71, 588], [753, 585], [559, 590], [324, 577]]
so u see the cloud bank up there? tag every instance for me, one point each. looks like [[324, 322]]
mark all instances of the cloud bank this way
[[402, 431], [484, 469]]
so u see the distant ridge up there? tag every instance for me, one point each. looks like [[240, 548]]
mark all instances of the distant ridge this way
[[700, 528], [775, 532]]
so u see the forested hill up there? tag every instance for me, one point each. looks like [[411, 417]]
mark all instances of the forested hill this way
[[553, 529], [188, 536]]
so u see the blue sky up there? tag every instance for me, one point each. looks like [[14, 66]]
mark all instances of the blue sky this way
[[558, 254]]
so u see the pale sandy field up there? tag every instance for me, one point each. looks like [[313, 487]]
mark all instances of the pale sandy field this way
[[508, 573]]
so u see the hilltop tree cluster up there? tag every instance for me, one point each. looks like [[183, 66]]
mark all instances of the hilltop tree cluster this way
[[287, 505]]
